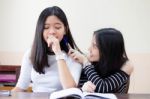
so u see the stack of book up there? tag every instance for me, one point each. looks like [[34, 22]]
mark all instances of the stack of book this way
[[9, 75], [7, 79]]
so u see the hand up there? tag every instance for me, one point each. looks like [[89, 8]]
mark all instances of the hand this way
[[88, 87], [53, 44], [76, 55]]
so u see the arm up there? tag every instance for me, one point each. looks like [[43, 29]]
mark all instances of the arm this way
[[25, 74], [107, 84], [102, 85], [69, 71], [65, 76], [18, 89], [75, 69], [66, 79]]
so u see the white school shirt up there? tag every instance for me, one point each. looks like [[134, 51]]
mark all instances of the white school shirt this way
[[48, 82]]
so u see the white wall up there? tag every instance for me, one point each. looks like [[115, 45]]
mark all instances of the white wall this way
[[19, 17], [132, 17]]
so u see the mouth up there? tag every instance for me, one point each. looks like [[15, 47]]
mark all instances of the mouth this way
[[49, 37]]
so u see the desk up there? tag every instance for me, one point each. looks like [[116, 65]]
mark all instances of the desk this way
[[133, 96], [27, 95]]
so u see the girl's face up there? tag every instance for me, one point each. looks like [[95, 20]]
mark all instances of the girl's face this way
[[53, 26], [94, 54]]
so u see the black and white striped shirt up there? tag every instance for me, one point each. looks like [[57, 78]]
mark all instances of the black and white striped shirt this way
[[116, 83]]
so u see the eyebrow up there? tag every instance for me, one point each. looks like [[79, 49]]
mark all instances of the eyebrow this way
[[54, 24]]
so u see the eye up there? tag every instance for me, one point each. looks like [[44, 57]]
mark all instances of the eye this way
[[58, 27], [46, 27]]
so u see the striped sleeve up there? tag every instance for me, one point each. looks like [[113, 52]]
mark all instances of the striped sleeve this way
[[108, 84]]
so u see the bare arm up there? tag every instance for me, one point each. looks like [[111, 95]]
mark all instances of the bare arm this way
[[65, 75], [17, 89]]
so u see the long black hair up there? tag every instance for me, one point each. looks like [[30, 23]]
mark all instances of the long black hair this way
[[39, 51], [111, 47]]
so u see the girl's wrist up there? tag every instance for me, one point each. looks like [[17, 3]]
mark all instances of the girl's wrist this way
[[86, 63], [60, 56]]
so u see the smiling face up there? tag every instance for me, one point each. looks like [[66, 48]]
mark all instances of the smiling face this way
[[53, 26], [94, 54]]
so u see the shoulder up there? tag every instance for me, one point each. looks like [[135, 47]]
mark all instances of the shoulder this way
[[27, 52], [26, 57], [128, 67]]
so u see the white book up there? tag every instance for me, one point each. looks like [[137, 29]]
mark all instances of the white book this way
[[75, 93]]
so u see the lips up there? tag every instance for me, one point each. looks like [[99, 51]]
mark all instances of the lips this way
[[54, 36]]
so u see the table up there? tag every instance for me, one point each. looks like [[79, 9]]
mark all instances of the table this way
[[133, 96], [29, 95], [26, 95]]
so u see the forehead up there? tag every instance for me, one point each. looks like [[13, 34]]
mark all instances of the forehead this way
[[53, 20], [94, 39]]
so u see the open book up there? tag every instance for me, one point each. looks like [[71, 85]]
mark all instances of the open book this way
[[75, 93]]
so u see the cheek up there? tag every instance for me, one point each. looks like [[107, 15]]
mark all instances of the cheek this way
[[97, 57], [60, 37], [94, 56], [44, 36]]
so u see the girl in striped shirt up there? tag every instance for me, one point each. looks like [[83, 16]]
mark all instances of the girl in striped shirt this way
[[106, 69]]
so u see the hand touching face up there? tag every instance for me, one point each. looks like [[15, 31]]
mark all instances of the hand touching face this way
[[53, 44], [76, 55], [53, 32]]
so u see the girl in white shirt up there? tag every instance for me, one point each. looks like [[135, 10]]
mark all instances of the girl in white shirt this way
[[47, 64]]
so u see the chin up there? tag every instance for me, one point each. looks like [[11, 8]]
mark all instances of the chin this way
[[91, 60]]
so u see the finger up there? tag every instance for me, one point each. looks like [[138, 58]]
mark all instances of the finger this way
[[50, 36], [72, 55], [92, 85], [69, 46], [84, 87], [90, 88], [71, 51], [87, 87], [52, 39], [49, 42]]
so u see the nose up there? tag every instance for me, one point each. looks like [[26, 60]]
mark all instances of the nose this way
[[51, 31]]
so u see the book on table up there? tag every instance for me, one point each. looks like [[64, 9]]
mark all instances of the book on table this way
[[76, 93]]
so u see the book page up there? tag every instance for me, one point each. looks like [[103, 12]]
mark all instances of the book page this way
[[71, 92], [98, 96]]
